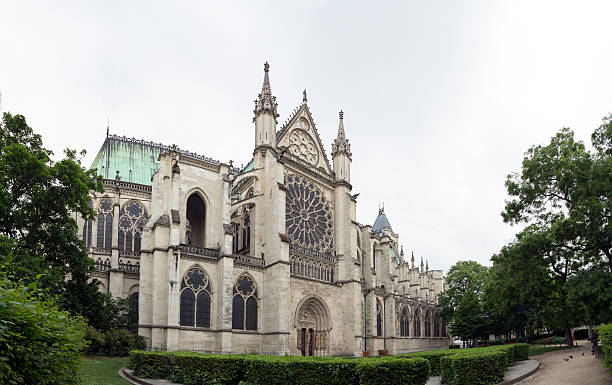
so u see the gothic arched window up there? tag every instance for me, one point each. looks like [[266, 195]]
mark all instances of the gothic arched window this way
[[195, 299], [105, 224], [427, 324], [133, 312], [379, 318], [87, 229], [241, 230], [404, 323], [132, 219], [196, 220], [244, 305], [436, 326], [417, 324]]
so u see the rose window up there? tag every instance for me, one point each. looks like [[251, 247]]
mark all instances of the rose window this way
[[308, 215], [303, 146]]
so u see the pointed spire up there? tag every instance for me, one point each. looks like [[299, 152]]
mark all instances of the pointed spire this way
[[265, 102], [412, 259], [304, 98], [341, 144], [402, 252], [427, 265], [421, 264]]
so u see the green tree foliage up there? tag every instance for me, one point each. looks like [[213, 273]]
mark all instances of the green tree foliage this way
[[39, 344], [461, 302], [562, 196], [39, 200]]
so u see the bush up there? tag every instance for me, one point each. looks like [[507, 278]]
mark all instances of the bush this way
[[581, 334], [453, 346], [114, 342], [605, 336], [521, 352], [394, 371], [433, 356], [473, 368], [198, 369], [39, 344]]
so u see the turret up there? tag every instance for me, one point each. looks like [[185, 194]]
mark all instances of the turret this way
[[265, 114], [341, 153]]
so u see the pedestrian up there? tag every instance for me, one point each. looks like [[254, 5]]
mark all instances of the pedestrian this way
[[594, 338]]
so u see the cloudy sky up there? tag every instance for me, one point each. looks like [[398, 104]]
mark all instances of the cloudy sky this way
[[441, 97]]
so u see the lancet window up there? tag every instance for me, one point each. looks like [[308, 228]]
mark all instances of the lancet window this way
[[105, 224], [133, 312], [437, 325], [416, 324], [87, 229], [312, 267], [379, 318], [244, 304], [195, 298], [132, 219], [427, 324], [404, 323]]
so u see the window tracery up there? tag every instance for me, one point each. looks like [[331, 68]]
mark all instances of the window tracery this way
[[87, 229], [417, 324], [309, 220], [105, 224], [311, 267], [195, 298], [404, 322], [303, 146], [379, 318], [132, 219], [244, 304], [241, 230], [427, 324]]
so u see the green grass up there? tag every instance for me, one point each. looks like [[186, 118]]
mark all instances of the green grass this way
[[534, 350], [103, 370]]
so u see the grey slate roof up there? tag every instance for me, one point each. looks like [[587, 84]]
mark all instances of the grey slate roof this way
[[381, 222]]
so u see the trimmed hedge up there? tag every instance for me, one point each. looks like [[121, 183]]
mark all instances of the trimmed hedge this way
[[477, 368], [605, 336], [198, 369], [433, 356]]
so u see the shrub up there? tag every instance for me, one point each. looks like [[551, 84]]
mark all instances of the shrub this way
[[197, 369], [521, 352], [114, 342], [433, 356], [394, 371], [453, 346], [605, 336], [39, 344], [581, 334], [473, 368]]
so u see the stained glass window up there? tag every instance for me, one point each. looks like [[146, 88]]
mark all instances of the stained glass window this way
[[105, 224], [309, 220], [132, 219], [195, 284], [244, 304]]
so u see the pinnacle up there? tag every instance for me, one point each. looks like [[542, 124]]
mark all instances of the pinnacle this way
[[266, 102]]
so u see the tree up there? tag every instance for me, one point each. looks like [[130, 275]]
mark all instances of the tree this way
[[562, 195], [461, 302], [39, 199]]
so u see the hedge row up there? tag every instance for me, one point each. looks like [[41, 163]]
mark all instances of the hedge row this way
[[198, 369], [605, 336], [512, 353], [473, 368]]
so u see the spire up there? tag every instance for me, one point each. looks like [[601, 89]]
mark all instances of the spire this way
[[107, 126], [341, 144], [381, 221], [304, 98], [422, 264], [265, 102], [427, 265], [402, 252], [412, 259]]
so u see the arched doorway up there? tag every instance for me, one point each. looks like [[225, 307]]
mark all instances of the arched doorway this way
[[313, 324]]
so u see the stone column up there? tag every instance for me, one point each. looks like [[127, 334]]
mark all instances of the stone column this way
[[115, 279]]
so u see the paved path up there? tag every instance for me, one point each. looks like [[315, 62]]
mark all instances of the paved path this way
[[581, 370], [518, 370]]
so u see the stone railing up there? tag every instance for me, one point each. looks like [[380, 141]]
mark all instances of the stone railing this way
[[103, 265], [129, 254], [100, 250], [129, 268], [199, 251], [248, 261]]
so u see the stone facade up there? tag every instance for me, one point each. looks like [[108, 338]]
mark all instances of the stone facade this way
[[268, 258]]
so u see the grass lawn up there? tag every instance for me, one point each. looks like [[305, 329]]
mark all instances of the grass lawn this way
[[103, 370], [534, 350]]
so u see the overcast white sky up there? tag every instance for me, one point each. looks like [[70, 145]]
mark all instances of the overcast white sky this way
[[441, 98]]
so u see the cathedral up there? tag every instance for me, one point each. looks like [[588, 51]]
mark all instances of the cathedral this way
[[267, 258]]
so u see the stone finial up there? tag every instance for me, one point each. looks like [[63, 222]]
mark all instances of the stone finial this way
[[266, 102], [412, 259], [341, 113], [422, 264], [304, 97], [402, 251], [341, 144], [426, 265]]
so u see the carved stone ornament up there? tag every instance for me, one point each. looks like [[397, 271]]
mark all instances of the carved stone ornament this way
[[303, 146]]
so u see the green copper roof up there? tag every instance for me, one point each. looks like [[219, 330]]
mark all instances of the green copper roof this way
[[135, 160]]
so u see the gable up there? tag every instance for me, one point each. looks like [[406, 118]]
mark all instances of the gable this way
[[301, 138]]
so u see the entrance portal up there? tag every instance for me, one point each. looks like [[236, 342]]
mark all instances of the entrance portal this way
[[313, 326]]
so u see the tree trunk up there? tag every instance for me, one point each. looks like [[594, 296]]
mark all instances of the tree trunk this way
[[568, 337]]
